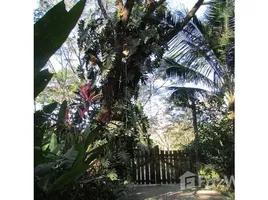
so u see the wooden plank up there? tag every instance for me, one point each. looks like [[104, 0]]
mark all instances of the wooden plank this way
[[138, 167], [168, 159], [176, 164], [180, 165], [163, 168], [133, 165], [147, 167], [142, 168], [172, 168], [157, 165], [152, 166]]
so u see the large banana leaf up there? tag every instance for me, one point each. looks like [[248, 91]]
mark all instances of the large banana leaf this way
[[50, 32], [80, 167], [41, 80]]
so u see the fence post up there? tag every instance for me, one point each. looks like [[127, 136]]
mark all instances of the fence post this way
[[163, 163], [142, 167], [138, 167], [147, 167], [134, 177], [168, 159], [157, 160], [152, 166], [176, 165]]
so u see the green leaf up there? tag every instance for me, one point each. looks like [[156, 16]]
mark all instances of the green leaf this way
[[39, 120], [41, 79], [61, 115], [91, 135], [71, 155], [113, 176], [50, 107], [78, 169], [40, 158], [51, 31], [53, 142]]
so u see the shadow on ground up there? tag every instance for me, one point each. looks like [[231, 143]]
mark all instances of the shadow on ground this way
[[172, 192]]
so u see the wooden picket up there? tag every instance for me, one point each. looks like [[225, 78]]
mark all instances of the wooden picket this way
[[161, 167]]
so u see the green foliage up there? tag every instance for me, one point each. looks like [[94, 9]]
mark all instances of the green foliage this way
[[61, 87], [41, 122], [183, 96], [68, 167], [49, 34], [61, 115], [179, 135], [52, 30], [85, 146], [209, 173], [216, 138], [53, 171], [41, 80]]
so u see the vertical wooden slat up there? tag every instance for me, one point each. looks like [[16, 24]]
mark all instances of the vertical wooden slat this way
[[147, 167], [180, 166], [157, 165], [152, 166], [163, 167], [173, 167], [176, 164], [142, 167], [134, 170], [138, 167], [168, 155]]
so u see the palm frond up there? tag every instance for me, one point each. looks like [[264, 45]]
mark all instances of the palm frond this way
[[183, 96], [186, 74]]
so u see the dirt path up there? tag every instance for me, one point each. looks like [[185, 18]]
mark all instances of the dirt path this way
[[172, 192]]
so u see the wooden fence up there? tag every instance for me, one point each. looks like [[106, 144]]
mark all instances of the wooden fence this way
[[162, 167]]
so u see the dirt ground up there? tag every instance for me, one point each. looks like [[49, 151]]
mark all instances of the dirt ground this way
[[171, 192]]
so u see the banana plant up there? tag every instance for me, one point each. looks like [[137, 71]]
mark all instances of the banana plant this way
[[53, 171], [50, 32], [73, 164]]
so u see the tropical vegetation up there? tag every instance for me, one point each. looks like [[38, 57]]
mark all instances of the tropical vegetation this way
[[90, 121]]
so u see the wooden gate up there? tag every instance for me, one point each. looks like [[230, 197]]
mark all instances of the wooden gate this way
[[162, 167]]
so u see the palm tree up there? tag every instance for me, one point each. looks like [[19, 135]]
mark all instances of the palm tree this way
[[188, 97], [207, 47], [203, 53]]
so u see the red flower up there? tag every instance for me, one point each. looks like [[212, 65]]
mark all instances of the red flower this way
[[67, 114], [84, 91], [103, 117], [82, 112]]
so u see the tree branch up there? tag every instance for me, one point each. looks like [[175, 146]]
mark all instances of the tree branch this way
[[103, 10], [153, 6], [192, 13], [119, 3], [127, 11]]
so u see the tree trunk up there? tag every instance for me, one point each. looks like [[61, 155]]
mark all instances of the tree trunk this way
[[192, 12], [196, 137], [194, 119]]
